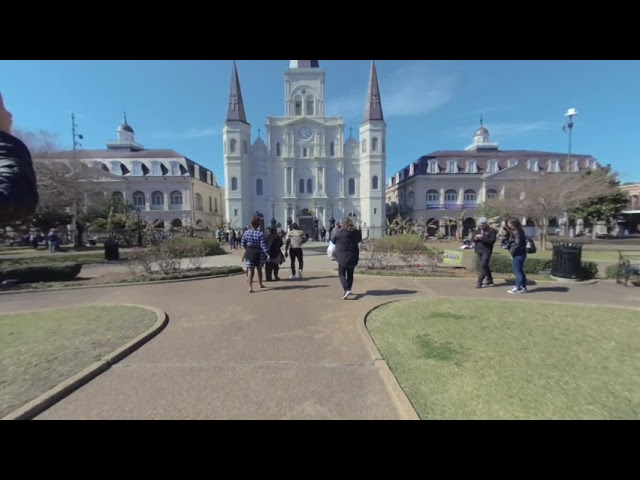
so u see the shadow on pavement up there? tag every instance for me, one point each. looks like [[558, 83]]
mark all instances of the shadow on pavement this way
[[386, 293], [294, 287], [549, 289]]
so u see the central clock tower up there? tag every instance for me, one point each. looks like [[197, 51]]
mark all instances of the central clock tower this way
[[305, 169]]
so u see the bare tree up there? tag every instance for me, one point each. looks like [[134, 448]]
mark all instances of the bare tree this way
[[64, 184], [551, 195]]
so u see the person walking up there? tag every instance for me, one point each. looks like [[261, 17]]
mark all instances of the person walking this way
[[256, 253], [274, 244], [518, 248], [484, 240], [295, 239], [347, 239]]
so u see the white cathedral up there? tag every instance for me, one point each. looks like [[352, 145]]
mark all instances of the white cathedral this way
[[306, 171]]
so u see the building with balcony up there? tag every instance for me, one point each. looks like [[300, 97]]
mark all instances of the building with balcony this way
[[170, 189], [447, 185]]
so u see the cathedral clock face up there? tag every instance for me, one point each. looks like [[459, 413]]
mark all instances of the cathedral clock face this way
[[305, 133]]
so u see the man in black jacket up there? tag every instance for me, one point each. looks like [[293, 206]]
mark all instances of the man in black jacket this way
[[484, 240], [18, 187]]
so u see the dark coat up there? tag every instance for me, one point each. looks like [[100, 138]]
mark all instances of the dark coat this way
[[18, 187], [517, 243], [347, 250], [488, 240], [274, 244]]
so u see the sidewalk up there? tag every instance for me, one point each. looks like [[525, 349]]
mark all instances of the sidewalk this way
[[294, 351]]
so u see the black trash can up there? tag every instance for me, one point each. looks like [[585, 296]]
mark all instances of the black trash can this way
[[566, 260], [111, 250]]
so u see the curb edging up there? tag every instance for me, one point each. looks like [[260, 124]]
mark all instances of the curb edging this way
[[399, 397], [45, 401]]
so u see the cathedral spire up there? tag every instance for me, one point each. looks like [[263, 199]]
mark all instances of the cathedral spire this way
[[235, 109], [373, 110], [304, 64]]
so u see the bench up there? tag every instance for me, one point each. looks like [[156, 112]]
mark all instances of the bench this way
[[628, 267]]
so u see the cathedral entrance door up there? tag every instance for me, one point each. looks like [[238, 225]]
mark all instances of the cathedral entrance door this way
[[306, 225], [305, 222]]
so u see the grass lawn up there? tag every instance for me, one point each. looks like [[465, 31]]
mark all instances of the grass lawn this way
[[498, 359], [42, 349]]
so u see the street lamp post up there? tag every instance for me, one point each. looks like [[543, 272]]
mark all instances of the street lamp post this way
[[273, 215], [332, 220], [139, 230], [289, 219], [568, 127]]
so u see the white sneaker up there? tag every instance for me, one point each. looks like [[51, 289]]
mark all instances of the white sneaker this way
[[514, 290], [346, 294], [292, 277], [300, 274]]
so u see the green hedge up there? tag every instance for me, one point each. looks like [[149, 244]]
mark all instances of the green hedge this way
[[533, 266], [52, 272], [213, 247]]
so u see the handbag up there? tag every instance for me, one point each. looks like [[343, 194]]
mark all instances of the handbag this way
[[281, 259], [331, 251]]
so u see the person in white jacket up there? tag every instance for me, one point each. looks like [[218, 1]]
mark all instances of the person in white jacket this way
[[295, 239]]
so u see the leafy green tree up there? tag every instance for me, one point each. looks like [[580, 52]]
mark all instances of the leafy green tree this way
[[604, 207]]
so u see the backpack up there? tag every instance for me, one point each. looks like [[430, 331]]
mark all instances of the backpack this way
[[531, 246]]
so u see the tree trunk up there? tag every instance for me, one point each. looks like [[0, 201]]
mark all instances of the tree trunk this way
[[543, 233]]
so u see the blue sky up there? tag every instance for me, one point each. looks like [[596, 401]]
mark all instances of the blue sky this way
[[428, 105]]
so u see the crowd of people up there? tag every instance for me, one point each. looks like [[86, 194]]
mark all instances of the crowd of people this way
[[265, 251]]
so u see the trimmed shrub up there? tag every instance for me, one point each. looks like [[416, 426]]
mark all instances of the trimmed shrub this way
[[403, 244], [54, 272], [212, 247], [613, 271]]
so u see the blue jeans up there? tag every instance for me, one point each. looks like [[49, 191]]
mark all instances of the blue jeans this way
[[517, 264]]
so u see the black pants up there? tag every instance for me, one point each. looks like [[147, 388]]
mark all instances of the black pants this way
[[271, 270], [346, 277], [485, 272], [296, 253]]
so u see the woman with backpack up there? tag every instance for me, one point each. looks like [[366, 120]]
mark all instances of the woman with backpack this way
[[518, 248]]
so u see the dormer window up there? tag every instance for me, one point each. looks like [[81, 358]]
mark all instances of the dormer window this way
[[175, 169], [512, 162], [156, 169], [533, 165], [493, 166], [115, 168], [137, 168], [433, 166], [554, 166], [472, 166], [452, 166]]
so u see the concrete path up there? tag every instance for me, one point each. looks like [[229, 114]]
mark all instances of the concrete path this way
[[293, 351]]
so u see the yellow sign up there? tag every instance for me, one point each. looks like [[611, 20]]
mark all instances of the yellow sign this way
[[452, 257]]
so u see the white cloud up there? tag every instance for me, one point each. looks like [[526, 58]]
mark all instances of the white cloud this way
[[411, 90], [502, 130], [188, 134]]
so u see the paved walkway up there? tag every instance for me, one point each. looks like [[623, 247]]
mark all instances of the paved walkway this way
[[294, 351]]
